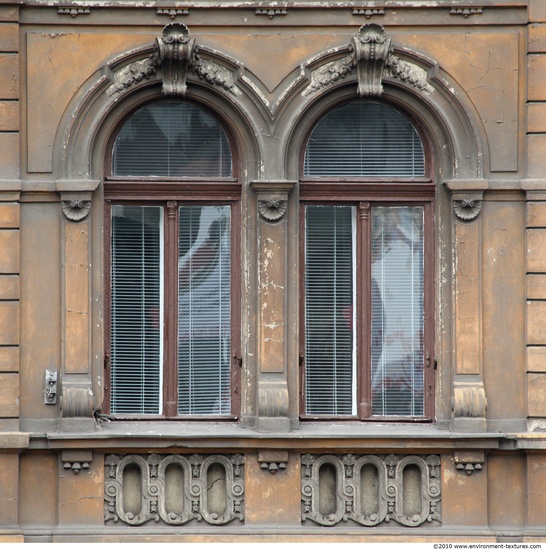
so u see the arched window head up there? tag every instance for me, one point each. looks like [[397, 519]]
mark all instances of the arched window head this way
[[171, 139], [364, 139]]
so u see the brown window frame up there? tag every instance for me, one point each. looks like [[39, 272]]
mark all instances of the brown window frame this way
[[170, 193], [417, 192], [141, 194]]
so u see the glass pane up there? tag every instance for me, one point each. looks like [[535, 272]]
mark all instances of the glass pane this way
[[204, 333], [364, 139], [136, 303], [173, 139], [397, 310], [329, 310]]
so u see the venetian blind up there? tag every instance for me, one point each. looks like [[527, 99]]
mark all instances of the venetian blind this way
[[329, 310], [172, 139], [204, 346], [397, 311], [364, 139], [136, 302]]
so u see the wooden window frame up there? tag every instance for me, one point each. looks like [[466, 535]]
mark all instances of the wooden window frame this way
[[170, 193], [145, 194], [365, 195]]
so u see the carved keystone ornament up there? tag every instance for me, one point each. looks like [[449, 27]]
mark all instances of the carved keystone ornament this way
[[176, 55], [372, 56]]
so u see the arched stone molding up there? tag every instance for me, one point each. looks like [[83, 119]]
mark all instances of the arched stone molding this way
[[82, 140], [455, 137]]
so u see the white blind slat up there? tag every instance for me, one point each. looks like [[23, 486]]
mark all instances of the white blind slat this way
[[364, 139], [135, 308], [329, 303]]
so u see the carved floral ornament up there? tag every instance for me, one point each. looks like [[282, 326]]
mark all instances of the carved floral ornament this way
[[272, 208], [175, 55], [371, 55], [467, 209], [371, 490], [76, 210], [210, 488]]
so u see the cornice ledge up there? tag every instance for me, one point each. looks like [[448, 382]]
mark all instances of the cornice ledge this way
[[11, 185], [467, 185], [14, 440], [273, 186], [534, 185], [79, 186]]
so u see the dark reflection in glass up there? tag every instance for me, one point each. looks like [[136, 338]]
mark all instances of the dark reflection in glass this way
[[172, 139]]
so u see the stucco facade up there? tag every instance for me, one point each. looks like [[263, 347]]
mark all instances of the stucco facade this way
[[471, 75]]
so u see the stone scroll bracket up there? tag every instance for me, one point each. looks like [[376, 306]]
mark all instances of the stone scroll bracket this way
[[76, 460], [174, 52], [469, 461], [372, 48], [273, 461], [469, 402], [272, 255]]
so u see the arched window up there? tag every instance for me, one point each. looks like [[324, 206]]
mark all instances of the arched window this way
[[367, 205], [172, 206]]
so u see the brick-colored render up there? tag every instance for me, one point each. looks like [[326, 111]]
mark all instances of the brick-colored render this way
[[475, 85]]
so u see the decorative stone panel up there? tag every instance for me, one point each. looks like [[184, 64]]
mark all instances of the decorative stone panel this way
[[371, 490], [173, 489]]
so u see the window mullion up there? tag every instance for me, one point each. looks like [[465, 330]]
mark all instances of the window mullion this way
[[364, 310], [170, 376]]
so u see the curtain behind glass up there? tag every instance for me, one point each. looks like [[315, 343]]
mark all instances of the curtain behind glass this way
[[397, 311], [135, 328], [204, 332]]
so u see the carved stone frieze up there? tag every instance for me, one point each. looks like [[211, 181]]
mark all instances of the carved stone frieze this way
[[76, 210], [467, 209], [371, 55], [371, 490], [329, 73], [173, 489], [131, 74], [175, 55], [407, 72], [214, 74]]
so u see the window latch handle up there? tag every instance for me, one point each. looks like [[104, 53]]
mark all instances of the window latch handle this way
[[238, 360], [434, 362]]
